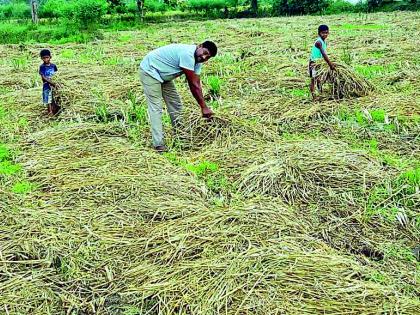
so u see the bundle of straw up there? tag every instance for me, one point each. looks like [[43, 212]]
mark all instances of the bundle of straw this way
[[345, 83], [197, 131], [310, 170]]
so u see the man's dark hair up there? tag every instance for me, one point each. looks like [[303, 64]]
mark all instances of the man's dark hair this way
[[211, 47], [322, 28], [45, 52]]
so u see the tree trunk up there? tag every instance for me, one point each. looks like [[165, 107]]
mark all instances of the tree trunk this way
[[34, 11], [140, 6], [254, 6]]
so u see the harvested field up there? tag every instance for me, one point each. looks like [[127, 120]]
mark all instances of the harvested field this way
[[277, 205]]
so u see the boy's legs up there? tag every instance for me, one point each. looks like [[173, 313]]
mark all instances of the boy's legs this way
[[312, 87], [173, 102], [312, 75], [153, 91], [46, 99]]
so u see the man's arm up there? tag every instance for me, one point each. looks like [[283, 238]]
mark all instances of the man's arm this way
[[324, 54], [195, 87]]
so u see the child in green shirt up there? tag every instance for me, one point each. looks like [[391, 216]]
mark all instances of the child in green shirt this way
[[319, 51]]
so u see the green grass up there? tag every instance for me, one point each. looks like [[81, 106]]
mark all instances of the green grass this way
[[362, 27], [67, 53], [392, 197], [102, 113], [205, 170], [125, 38], [303, 93], [20, 62], [215, 84], [374, 119], [398, 252], [4, 152], [22, 187], [379, 277], [8, 168], [375, 71], [13, 33]]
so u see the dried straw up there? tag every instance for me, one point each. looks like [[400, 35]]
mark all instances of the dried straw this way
[[344, 82]]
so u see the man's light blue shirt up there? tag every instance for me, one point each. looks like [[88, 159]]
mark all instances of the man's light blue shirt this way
[[165, 63]]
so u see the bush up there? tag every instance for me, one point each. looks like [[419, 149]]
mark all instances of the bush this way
[[131, 6], [15, 10], [155, 6], [292, 7], [11, 33], [207, 5], [54, 8], [149, 5], [85, 13], [339, 6]]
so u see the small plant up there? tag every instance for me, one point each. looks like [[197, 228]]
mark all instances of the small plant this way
[[102, 113], [379, 277], [125, 38], [131, 310], [22, 187], [215, 84], [394, 196], [299, 92], [399, 252], [378, 115], [4, 152], [202, 169], [140, 113], [346, 55], [67, 53], [289, 73], [20, 63], [8, 168]]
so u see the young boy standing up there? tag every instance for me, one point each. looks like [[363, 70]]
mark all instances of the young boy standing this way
[[47, 70], [319, 51]]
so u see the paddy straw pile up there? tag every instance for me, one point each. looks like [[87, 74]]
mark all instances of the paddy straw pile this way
[[196, 131], [80, 93], [100, 236], [343, 81], [309, 170]]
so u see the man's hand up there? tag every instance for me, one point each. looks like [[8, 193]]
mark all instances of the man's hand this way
[[195, 87], [332, 66], [207, 112]]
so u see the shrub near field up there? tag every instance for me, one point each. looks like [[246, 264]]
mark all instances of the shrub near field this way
[[278, 205]]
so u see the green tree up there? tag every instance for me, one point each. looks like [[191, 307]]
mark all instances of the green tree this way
[[292, 7]]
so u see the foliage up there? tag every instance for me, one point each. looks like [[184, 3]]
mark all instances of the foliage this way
[[206, 5], [15, 10], [54, 8], [11, 33], [291, 7], [339, 6], [85, 13]]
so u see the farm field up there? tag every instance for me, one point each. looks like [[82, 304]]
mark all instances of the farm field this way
[[276, 206]]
